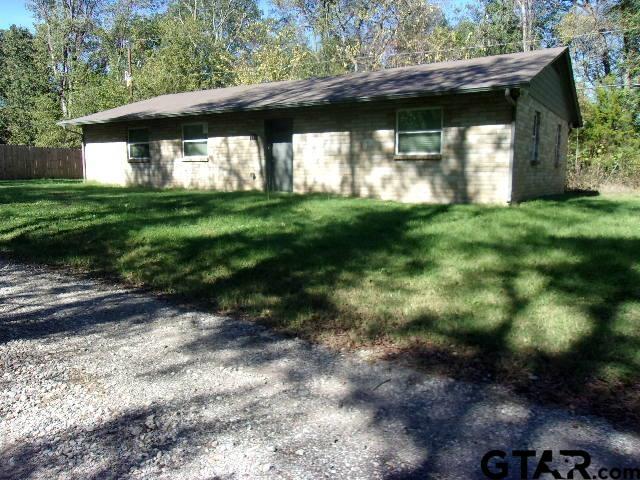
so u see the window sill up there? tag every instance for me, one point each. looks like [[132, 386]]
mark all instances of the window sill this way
[[426, 156], [202, 158], [139, 160]]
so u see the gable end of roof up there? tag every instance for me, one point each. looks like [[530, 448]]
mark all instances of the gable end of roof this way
[[563, 61]]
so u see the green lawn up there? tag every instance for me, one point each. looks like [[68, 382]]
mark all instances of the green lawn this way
[[546, 291]]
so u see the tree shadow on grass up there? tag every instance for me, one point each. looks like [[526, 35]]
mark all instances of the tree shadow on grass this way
[[597, 371], [318, 266], [283, 262]]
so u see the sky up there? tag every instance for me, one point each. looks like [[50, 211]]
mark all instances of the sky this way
[[14, 11]]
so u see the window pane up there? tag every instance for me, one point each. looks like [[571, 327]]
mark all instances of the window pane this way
[[195, 149], [558, 140], [536, 124], [536, 137], [139, 135], [139, 150], [413, 120], [193, 132], [419, 142]]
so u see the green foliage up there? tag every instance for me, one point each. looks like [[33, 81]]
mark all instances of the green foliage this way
[[610, 120], [497, 24], [273, 53], [626, 14], [29, 110], [21, 82], [94, 91], [48, 132], [186, 58], [608, 146]]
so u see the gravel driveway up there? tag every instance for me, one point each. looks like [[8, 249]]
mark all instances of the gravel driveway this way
[[100, 382]]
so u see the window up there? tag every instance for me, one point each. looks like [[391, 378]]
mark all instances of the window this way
[[535, 151], [138, 144], [558, 140], [419, 131], [194, 140]]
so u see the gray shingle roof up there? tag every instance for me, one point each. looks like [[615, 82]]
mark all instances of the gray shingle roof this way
[[478, 74]]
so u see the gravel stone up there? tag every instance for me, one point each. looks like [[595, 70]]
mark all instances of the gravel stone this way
[[97, 381]]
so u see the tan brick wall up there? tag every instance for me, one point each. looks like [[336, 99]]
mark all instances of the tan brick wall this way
[[234, 160], [351, 152], [338, 149], [544, 178]]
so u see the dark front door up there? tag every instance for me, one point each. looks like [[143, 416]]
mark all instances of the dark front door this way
[[279, 140]]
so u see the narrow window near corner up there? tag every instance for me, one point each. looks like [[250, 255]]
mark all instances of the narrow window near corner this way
[[138, 144], [419, 131], [535, 150], [558, 140], [194, 140]]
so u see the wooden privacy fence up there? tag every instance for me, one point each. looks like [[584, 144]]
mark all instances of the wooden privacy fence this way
[[21, 162]]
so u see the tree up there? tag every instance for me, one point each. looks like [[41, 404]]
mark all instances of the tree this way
[[587, 28], [197, 46], [527, 14], [609, 143], [128, 30], [4, 134], [185, 58], [626, 15], [66, 28], [497, 26], [22, 81], [360, 34], [223, 20], [274, 52]]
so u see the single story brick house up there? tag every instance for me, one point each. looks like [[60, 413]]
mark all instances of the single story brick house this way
[[491, 129]]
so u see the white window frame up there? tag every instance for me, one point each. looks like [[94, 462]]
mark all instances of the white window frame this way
[[535, 138], [206, 133], [129, 142], [419, 154], [556, 159]]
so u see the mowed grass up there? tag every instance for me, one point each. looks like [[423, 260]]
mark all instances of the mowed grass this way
[[546, 290]]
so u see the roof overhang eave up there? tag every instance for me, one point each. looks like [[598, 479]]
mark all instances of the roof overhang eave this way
[[207, 111]]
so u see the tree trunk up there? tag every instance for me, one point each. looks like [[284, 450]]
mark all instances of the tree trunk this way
[[526, 23]]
